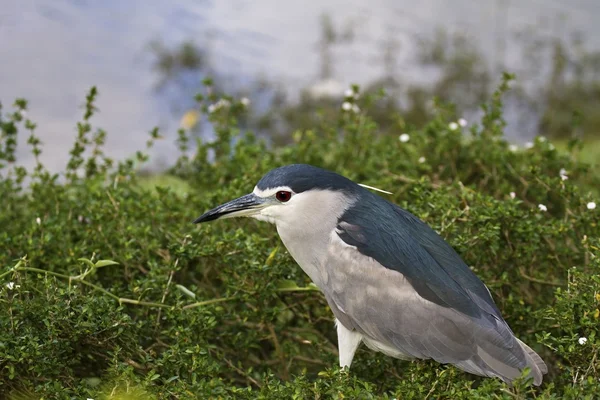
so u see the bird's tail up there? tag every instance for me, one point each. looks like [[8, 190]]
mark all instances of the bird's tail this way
[[535, 363], [502, 364]]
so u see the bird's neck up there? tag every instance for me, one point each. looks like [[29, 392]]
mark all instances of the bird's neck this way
[[309, 251], [308, 236]]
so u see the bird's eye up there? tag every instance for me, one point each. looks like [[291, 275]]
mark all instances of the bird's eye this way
[[283, 196]]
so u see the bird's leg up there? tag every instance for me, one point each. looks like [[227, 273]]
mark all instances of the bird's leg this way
[[348, 342]]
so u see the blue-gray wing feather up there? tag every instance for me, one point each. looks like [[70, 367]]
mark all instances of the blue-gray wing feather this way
[[461, 324], [398, 240]]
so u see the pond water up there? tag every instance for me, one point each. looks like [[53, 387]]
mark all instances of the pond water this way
[[52, 51]]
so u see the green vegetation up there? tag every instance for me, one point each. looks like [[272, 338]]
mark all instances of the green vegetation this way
[[108, 291], [587, 151]]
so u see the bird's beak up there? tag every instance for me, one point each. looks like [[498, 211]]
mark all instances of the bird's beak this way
[[244, 206]]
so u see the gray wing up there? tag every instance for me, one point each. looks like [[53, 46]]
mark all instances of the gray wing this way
[[397, 282]]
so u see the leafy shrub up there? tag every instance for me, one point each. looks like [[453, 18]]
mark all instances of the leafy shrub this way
[[109, 291]]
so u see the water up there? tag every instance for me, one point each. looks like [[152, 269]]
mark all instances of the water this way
[[52, 51]]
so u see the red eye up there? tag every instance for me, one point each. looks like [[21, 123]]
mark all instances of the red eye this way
[[283, 196]]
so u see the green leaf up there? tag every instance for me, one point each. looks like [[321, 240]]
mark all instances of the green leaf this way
[[86, 261], [287, 284], [291, 286], [105, 263], [186, 291]]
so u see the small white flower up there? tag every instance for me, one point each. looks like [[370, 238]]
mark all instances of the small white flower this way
[[582, 340], [542, 139], [219, 104], [346, 106], [513, 195], [245, 101], [542, 207], [528, 145], [591, 205], [10, 285], [349, 93], [462, 122], [513, 147], [551, 147], [422, 160], [355, 108], [38, 221], [563, 174], [405, 137], [453, 126]]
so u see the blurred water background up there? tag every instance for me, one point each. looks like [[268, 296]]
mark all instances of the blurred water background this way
[[148, 57]]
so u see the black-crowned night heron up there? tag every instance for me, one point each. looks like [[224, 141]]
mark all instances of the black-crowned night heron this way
[[391, 281]]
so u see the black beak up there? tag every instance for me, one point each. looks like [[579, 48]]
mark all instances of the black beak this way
[[244, 206]]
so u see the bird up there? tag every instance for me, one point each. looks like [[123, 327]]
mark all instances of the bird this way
[[391, 281]]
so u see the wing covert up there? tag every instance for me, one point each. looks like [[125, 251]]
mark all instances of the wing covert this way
[[400, 241]]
